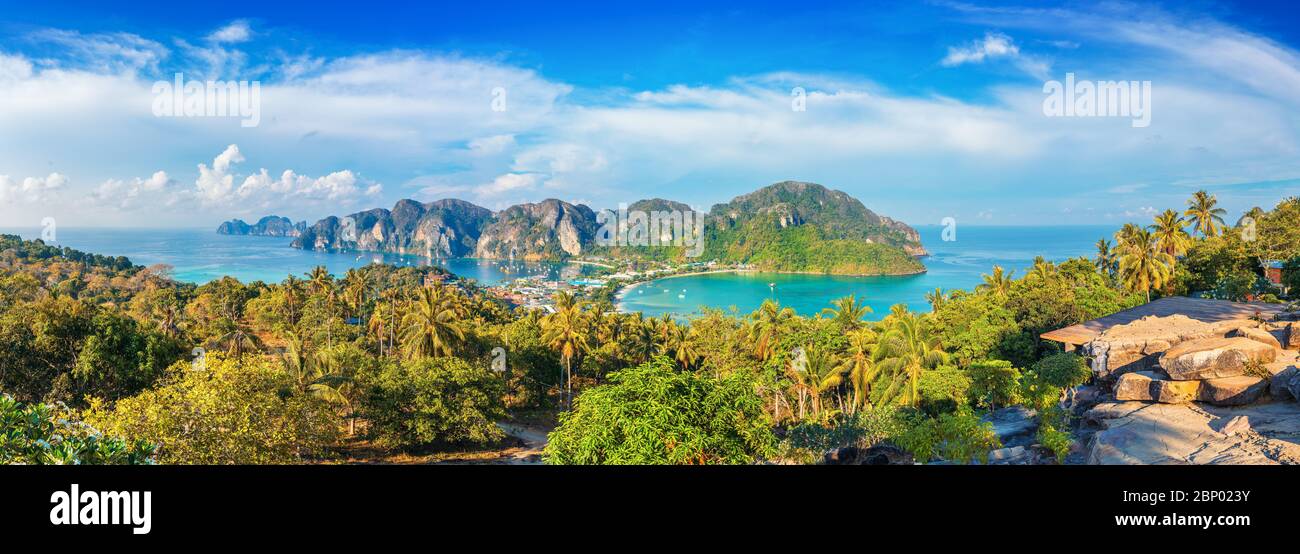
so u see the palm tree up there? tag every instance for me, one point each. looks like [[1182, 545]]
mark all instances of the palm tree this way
[[1171, 233], [1105, 260], [1042, 269], [237, 341], [566, 331], [321, 376], [860, 367], [814, 370], [433, 326], [847, 312], [936, 298], [769, 321], [679, 344], [1202, 211], [1142, 265], [906, 349], [998, 283]]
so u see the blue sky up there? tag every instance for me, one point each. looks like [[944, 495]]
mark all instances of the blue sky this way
[[921, 110]]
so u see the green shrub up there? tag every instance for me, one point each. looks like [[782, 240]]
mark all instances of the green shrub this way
[[944, 389], [994, 383], [430, 401], [653, 414], [957, 437], [44, 434], [230, 412]]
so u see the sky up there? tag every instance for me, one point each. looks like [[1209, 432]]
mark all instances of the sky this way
[[922, 110]]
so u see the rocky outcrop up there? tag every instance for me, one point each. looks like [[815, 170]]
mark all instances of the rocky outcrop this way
[[1124, 433], [1214, 358], [1285, 384], [546, 230], [1150, 386], [1257, 334], [1014, 426], [1137, 346], [269, 226], [445, 228], [1292, 331], [1232, 391]]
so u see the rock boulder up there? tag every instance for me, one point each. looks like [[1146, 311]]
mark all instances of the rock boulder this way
[[1214, 358], [1155, 387], [1258, 335], [1136, 346], [1285, 384], [1233, 391]]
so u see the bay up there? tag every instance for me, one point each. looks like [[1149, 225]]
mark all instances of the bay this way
[[201, 255], [957, 264]]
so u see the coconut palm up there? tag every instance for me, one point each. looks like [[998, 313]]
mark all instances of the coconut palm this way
[[936, 298], [906, 348], [1042, 269], [321, 376], [237, 342], [1171, 233], [1204, 214], [1105, 260], [433, 326], [859, 367], [1142, 265], [998, 283], [768, 323], [679, 344], [567, 331], [814, 370], [847, 312]]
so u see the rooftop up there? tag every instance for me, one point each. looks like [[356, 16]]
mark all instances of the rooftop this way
[[1202, 309]]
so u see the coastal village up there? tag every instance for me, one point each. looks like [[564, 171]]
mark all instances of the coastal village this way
[[537, 292]]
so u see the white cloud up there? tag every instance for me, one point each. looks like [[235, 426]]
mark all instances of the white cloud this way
[[994, 45], [124, 194], [31, 190], [235, 32]]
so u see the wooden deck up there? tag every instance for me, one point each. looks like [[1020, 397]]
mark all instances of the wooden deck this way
[[1209, 311]]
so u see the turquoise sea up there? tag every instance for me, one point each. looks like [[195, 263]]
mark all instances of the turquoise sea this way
[[201, 255], [959, 264]]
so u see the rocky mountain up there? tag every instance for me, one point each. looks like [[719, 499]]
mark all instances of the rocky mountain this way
[[269, 226], [443, 228], [550, 229], [837, 215], [788, 226]]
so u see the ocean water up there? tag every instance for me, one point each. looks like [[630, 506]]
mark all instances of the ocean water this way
[[201, 255], [958, 264]]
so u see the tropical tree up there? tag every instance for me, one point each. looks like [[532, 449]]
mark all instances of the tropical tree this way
[[1142, 265], [433, 325], [567, 332], [814, 370], [1105, 260], [936, 298], [906, 348], [998, 283], [860, 367], [847, 312], [1042, 269], [1204, 215], [768, 322], [1170, 231]]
